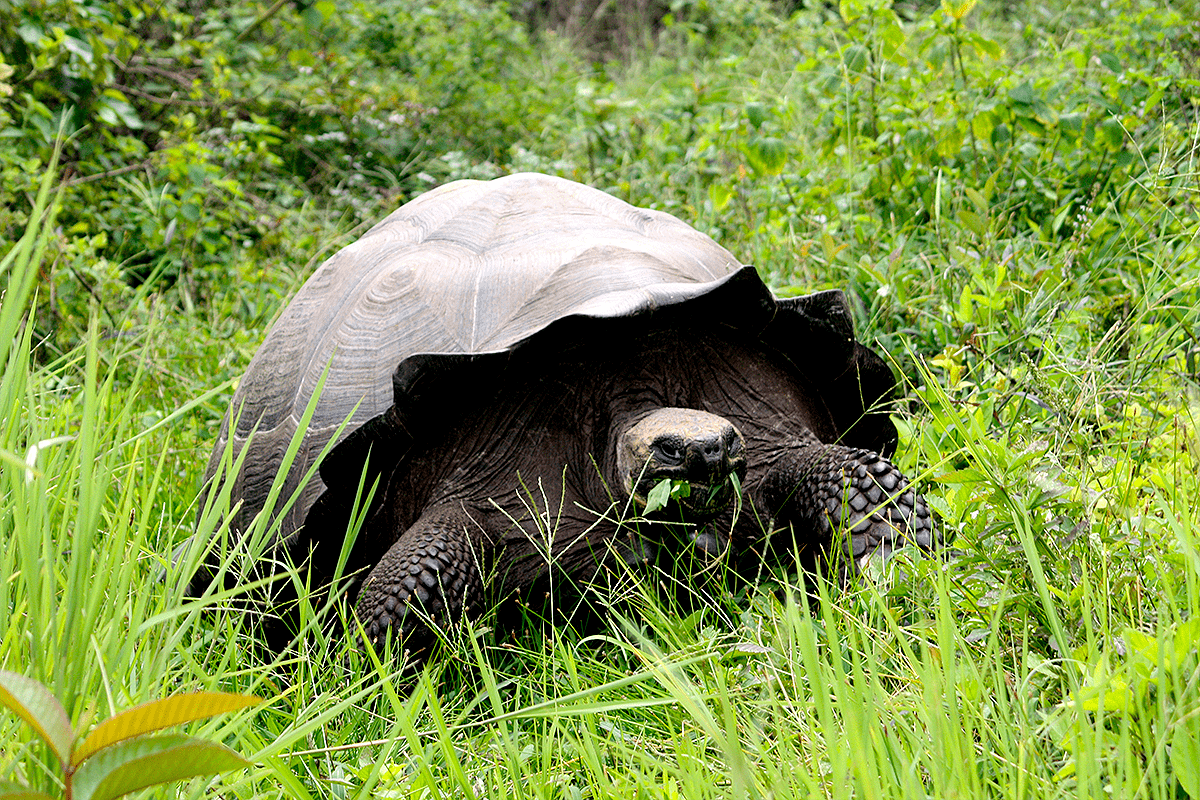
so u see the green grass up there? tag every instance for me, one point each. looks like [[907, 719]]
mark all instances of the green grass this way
[[1046, 322]]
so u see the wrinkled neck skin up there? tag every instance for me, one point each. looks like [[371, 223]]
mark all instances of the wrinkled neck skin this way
[[535, 462], [778, 415]]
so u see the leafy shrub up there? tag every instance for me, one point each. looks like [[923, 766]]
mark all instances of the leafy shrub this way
[[193, 134], [120, 756]]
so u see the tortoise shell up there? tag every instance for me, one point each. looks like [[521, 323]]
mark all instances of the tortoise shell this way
[[452, 282]]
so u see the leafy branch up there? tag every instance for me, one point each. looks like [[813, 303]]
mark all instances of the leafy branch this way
[[118, 756]]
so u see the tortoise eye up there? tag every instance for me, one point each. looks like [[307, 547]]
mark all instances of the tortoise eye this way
[[669, 451]]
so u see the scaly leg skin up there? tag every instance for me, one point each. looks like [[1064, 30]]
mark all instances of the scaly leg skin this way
[[831, 488], [429, 574]]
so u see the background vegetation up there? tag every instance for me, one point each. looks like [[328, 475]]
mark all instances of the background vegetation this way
[[1007, 191]]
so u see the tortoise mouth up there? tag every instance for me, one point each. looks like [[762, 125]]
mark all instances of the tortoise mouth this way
[[706, 500], [690, 501]]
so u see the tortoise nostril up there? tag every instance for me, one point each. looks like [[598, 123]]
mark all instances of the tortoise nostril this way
[[706, 457]]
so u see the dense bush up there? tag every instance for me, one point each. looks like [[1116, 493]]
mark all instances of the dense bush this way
[[191, 136], [195, 135]]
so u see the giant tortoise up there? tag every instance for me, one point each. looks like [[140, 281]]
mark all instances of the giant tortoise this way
[[523, 363]]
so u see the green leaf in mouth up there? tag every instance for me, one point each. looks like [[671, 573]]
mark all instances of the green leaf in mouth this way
[[665, 491]]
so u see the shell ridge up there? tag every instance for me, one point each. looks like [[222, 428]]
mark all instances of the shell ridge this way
[[303, 310], [328, 339]]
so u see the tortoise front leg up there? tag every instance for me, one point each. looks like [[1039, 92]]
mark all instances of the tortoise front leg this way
[[430, 574], [829, 488]]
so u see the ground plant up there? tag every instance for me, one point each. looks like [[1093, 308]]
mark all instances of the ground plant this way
[[121, 755], [1006, 191]]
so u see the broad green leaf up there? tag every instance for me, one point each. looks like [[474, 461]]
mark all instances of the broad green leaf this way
[[943, 508], [1032, 125], [1187, 639], [1022, 94], [1001, 136], [1142, 644], [658, 497], [950, 138], [312, 17], [756, 113], [1185, 755], [120, 106], [1061, 217], [1104, 691], [1071, 125], [966, 308], [985, 45], [1115, 695], [34, 703], [720, 194], [893, 39], [936, 56], [149, 761], [989, 186], [11, 790], [30, 32], [107, 115], [79, 47], [301, 58], [856, 58], [831, 248], [968, 475], [664, 492], [159, 714], [958, 10], [973, 222], [1111, 133], [767, 155]]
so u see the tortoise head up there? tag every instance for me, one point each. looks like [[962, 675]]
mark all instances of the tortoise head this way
[[683, 444]]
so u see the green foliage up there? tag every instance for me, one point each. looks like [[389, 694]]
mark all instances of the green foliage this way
[[118, 756], [194, 135], [1006, 192], [79, 503], [664, 492]]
